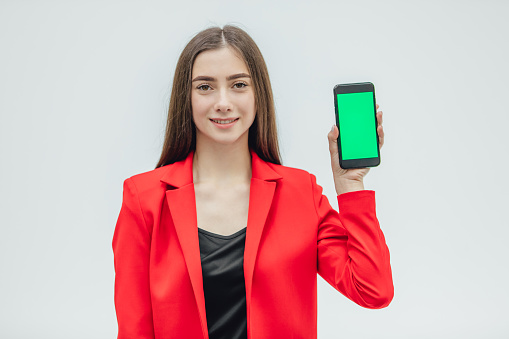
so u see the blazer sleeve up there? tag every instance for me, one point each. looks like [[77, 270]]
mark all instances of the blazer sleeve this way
[[352, 254], [131, 248]]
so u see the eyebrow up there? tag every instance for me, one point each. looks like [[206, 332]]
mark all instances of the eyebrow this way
[[231, 77]]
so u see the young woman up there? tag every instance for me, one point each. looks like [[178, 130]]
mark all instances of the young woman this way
[[221, 240]]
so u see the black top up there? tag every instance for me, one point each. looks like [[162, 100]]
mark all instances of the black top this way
[[222, 261]]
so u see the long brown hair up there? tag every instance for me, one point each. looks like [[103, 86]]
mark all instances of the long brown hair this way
[[180, 137]]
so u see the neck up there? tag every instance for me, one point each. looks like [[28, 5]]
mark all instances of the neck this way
[[221, 164]]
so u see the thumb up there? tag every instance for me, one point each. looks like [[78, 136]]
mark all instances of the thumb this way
[[333, 141]]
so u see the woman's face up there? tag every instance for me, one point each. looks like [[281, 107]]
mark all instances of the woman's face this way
[[222, 97]]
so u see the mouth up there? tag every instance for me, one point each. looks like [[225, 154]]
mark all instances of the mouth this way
[[224, 121]]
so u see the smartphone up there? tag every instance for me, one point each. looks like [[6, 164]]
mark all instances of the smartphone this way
[[355, 106]]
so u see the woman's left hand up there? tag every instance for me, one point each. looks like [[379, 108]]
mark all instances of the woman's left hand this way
[[351, 179]]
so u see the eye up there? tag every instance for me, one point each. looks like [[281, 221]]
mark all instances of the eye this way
[[239, 85], [204, 87]]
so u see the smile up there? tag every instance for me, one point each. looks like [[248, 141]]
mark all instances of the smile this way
[[224, 121]]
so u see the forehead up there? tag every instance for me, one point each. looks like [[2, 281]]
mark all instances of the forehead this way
[[219, 62]]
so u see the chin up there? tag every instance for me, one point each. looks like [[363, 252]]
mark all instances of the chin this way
[[224, 140], [229, 141]]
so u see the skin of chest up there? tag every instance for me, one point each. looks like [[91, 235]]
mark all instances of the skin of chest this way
[[222, 209]]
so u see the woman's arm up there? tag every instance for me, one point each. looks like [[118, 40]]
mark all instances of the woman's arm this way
[[131, 248], [352, 254]]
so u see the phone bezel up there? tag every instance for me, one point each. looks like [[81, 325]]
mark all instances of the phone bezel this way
[[356, 88]]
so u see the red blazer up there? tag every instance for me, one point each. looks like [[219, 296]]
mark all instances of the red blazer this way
[[292, 234]]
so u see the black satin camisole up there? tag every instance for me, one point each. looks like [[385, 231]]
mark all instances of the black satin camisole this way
[[222, 260]]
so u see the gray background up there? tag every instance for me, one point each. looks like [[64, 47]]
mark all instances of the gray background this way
[[84, 88]]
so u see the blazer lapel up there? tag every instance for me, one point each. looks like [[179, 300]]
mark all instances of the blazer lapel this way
[[182, 204], [260, 199]]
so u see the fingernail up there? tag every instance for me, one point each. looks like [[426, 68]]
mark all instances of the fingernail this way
[[332, 128]]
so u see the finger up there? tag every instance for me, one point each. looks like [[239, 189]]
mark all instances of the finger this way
[[333, 149], [377, 106], [379, 117], [381, 135], [333, 140]]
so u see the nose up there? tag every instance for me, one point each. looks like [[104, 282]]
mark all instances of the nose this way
[[223, 103]]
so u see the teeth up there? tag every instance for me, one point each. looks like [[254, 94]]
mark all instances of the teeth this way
[[223, 121]]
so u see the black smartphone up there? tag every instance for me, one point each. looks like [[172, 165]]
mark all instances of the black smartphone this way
[[355, 106]]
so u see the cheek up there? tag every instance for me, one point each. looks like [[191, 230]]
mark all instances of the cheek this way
[[198, 106], [248, 104], [253, 106]]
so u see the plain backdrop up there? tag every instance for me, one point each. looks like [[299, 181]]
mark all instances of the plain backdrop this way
[[84, 90]]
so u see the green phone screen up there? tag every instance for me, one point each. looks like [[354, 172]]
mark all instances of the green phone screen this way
[[357, 126]]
